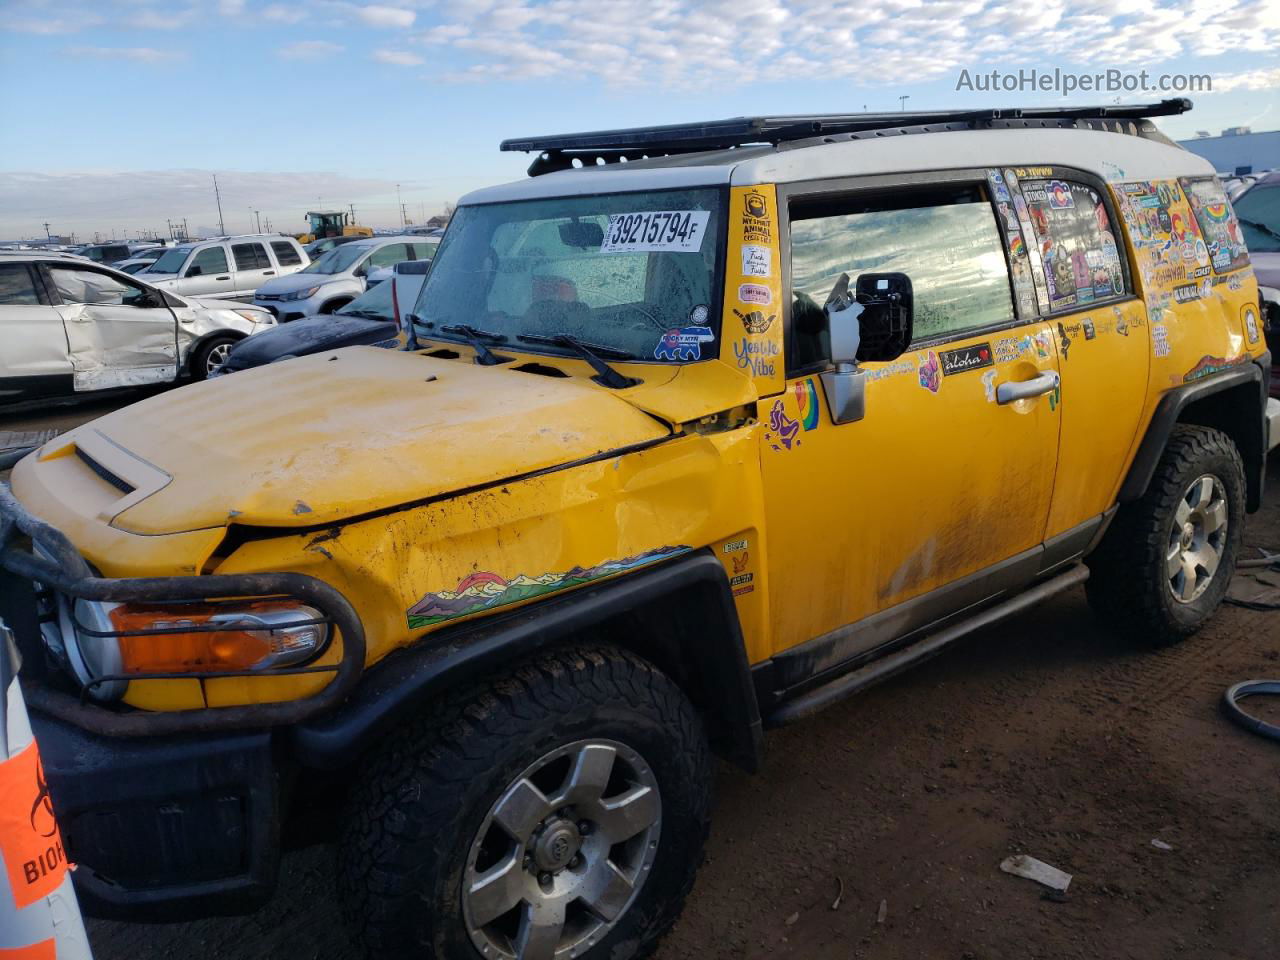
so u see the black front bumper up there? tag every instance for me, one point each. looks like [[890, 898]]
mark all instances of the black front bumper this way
[[165, 828]]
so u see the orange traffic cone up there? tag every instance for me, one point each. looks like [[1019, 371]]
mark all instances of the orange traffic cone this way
[[39, 915]]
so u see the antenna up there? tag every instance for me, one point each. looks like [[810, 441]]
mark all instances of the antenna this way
[[222, 227]]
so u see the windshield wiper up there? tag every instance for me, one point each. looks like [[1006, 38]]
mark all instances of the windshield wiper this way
[[1259, 226], [606, 376], [476, 338]]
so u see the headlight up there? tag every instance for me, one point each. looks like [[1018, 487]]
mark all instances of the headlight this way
[[301, 294], [115, 639], [256, 316]]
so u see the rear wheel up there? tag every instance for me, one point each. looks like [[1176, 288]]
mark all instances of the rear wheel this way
[[557, 811], [333, 306], [1168, 559], [210, 356]]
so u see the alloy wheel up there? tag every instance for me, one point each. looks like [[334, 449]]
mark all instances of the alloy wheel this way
[[562, 854], [1197, 538]]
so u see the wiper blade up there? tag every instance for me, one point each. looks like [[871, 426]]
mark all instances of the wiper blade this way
[[606, 376], [1259, 226], [476, 338]]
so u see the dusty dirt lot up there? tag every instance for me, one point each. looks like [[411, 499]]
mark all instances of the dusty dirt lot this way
[[1046, 736]]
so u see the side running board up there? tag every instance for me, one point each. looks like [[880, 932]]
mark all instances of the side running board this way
[[850, 683]]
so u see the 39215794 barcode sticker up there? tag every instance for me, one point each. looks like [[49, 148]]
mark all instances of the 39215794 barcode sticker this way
[[677, 231]]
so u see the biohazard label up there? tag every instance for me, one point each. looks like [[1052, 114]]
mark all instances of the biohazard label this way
[[30, 842]]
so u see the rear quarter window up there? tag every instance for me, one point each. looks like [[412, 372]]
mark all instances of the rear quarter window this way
[[286, 253], [1076, 242], [1218, 225]]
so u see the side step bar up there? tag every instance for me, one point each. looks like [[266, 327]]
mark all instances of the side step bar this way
[[824, 696]]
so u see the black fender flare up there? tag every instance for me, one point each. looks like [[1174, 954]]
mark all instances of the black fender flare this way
[[704, 653], [1254, 376]]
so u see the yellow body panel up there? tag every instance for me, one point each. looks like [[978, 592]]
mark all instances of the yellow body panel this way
[[432, 491]]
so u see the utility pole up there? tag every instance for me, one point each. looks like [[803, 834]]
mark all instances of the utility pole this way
[[902, 101], [222, 227], [268, 224], [401, 202], [257, 214], [185, 232], [47, 235]]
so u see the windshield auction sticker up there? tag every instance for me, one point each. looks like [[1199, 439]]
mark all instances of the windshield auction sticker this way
[[677, 231]]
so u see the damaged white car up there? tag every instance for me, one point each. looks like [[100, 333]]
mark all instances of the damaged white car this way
[[71, 326]]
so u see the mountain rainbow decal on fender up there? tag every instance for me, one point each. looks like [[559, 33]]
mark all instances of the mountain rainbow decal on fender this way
[[483, 591]]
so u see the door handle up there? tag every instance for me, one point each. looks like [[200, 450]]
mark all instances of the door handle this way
[[227, 277], [1013, 391], [268, 273]]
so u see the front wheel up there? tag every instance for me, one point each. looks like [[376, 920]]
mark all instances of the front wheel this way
[[559, 810], [210, 356], [1168, 559]]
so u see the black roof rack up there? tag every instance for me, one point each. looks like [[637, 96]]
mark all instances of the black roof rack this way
[[559, 151]]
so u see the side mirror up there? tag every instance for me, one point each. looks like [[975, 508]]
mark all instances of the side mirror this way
[[193, 272], [887, 320], [873, 323]]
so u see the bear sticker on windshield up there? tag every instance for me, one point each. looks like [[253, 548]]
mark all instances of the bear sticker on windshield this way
[[675, 231], [683, 343]]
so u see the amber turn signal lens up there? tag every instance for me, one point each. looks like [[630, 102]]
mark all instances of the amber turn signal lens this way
[[254, 636]]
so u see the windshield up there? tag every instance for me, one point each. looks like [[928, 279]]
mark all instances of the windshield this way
[[337, 260], [1258, 210], [171, 261], [633, 272], [374, 303]]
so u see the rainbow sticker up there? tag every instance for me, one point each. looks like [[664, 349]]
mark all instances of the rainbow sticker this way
[[807, 398], [1218, 212], [1017, 248]]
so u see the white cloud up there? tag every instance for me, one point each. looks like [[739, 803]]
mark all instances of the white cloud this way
[[280, 13], [376, 15], [1249, 80], [72, 21], [399, 58], [230, 8], [310, 50], [691, 43], [136, 54]]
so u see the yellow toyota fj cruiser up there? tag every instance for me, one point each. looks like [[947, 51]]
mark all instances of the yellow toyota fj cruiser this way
[[696, 431]]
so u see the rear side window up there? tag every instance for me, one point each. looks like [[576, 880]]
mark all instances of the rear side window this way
[[424, 251], [17, 285], [286, 253], [1218, 225], [1076, 242], [390, 254], [946, 241], [250, 256], [210, 260]]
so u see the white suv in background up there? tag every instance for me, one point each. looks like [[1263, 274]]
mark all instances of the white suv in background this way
[[71, 326], [339, 276], [226, 267]]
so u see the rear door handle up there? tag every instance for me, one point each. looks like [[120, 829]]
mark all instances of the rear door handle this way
[[227, 277], [1013, 391], [268, 273]]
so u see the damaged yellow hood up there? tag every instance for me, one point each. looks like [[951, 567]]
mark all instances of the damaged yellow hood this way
[[327, 437]]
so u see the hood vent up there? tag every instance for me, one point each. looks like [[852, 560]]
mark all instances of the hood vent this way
[[118, 482]]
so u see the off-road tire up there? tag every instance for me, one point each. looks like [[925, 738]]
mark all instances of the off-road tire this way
[[1128, 587], [421, 797]]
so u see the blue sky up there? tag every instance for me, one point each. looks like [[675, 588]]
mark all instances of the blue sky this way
[[116, 112]]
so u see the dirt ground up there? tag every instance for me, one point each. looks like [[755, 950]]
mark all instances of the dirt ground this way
[[1045, 736]]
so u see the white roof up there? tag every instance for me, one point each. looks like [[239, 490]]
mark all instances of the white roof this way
[[1112, 156]]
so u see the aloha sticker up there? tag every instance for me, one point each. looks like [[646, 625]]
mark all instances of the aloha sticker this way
[[807, 398], [965, 359], [683, 343], [483, 591]]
